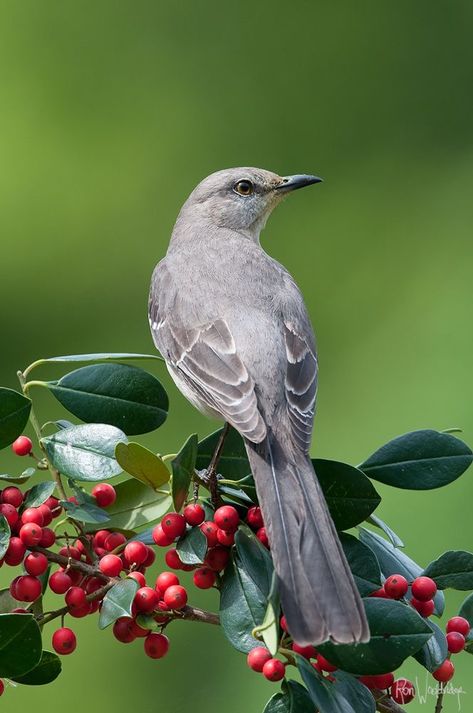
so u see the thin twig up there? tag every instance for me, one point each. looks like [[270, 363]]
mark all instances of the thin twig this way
[[212, 469], [385, 704], [439, 704], [98, 594], [69, 562], [196, 614]]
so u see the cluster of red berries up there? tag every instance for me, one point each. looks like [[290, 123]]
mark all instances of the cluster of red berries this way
[[254, 518], [423, 591]]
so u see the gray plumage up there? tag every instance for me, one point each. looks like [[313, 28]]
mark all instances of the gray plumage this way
[[233, 328]]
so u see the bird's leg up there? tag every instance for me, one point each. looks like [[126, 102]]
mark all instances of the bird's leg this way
[[212, 469]]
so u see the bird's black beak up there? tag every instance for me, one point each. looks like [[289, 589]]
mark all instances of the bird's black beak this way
[[291, 183]]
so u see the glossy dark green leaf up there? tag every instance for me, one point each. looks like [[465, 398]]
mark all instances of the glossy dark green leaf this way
[[350, 495], [86, 512], [269, 627], [453, 569], [420, 460], [145, 536], [397, 631], [39, 493], [192, 546], [4, 535], [142, 464], [85, 452], [466, 610], [434, 651], [147, 622], [46, 671], [363, 564], [20, 644], [346, 695], [393, 538], [14, 413], [183, 468], [233, 462], [245, 589], [136, 505], [101, 357], [7, 603], [123, 396], [117, 602], [293, 698], [18, 479], [394, 561]]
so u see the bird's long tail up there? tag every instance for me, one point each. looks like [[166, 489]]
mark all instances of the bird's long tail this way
[[318, 594]]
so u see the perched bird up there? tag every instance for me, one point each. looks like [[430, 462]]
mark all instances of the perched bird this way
[[233, 328]]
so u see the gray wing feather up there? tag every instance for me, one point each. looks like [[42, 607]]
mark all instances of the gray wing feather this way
[[301, 385]]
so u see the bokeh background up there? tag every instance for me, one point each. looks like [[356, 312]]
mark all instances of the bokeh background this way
[[112, 111]]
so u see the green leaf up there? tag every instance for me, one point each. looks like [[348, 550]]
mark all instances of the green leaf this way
[[269, 628], [350, 495], [183, 467], [117, 602], [123, 396], [434, 651], [397, 631], [420, 460], [86, 512], [4, 535], [363, 564], [17, 478], [39, 493], [453, 569], [192, 546], [142, 464], [14, 413], [146, 537], [233, 461], [245, 589], [20, 644], [46, 671], [7, 603], [136, 505], [394, 561], [377, 522], [466, 610], [147, 622], [293, 698], [85, 452], [119, 356], [346, 695]]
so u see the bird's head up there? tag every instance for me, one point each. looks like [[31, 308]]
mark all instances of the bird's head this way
[[242, 199]]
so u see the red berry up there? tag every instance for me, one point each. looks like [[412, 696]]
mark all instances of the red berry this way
[[138, 630], [28, 588], [31, 534], [64, 641], [114, 540], [224, 538], [111, 565], [12, 496], [2, 687], [135, 553], [381, 681], [273, 670], [194, 514], [257, 657], [283, 623], [455, 642], [92, 585], [227, 518], [210, 529], [156, 645], [396, 586], [173, 524], [32, 515], [105, 494], [460, 624], [263, 536], [325, 665], [59, 582], [76, 598], [173, 560], [254, 518], [444, 672], [308, 652], [139, 577], [204, 578], [160, 537], [175, 597], [99, 538], [166, 580], [402, 691], [380, 593], [15, 552], [150, 557], [70, 551], [146, 599], [53, 504], [22, 446], [46, 514], [217, 558], [36, 563], [9, 513], [425, 609], [79, 612], [423, 589], [123, 630], [48, 538]]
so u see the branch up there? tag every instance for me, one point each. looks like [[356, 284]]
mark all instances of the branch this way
[[384, 704], [98, 594], [212, 469], [196, 614], [68, 562], [439, 704]]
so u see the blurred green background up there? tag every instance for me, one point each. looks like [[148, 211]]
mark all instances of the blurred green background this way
[[111, 112]]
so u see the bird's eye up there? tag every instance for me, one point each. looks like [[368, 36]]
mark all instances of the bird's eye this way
[[243, 188]]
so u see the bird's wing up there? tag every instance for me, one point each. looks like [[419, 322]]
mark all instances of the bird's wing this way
[[301, 382], [205, 357]]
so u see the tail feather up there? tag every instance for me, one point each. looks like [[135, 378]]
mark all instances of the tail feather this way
[[318, 594]]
